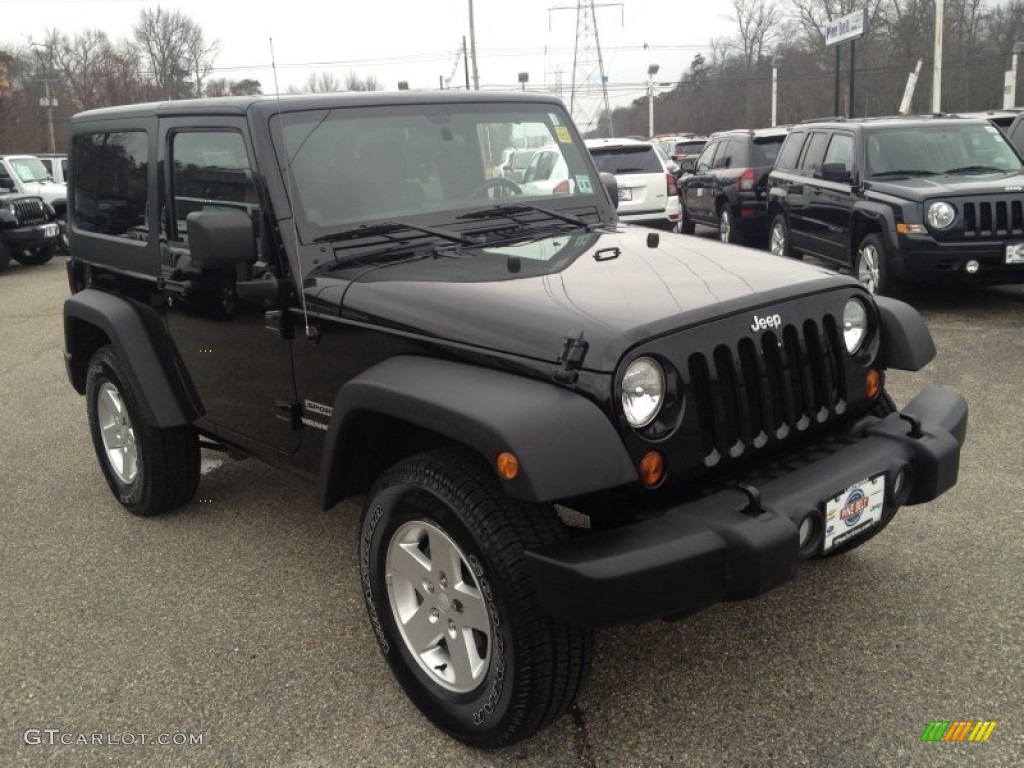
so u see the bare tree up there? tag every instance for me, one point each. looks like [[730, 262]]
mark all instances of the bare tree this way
[[758, 22], [322, 82], [355, 83], [173, 46], [245, 87]]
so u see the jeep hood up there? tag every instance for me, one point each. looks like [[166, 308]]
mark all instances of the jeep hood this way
[[930, 187], [527, 299], [50, 191]]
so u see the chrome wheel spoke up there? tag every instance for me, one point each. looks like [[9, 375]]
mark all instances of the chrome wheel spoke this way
[[422, 631], [410, 563], [465, 659], [117, 433], [473, 609], [112, 435]]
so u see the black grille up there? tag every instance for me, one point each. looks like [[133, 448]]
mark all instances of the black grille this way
[[29, 212], [993, 218], [766, 388]]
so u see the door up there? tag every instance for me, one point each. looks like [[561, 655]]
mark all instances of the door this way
[[241, 371], [831, 203], [697, 188], [807, 231]]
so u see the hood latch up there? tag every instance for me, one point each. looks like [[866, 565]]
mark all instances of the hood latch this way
[[571, 359]]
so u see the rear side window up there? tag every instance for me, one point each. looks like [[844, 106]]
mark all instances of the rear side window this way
[[688, 148], [626, 160], [815, 152], [707, 156], [110, 184], [726, 157], [790, 151]]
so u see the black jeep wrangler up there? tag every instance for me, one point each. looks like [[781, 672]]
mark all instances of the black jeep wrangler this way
[[901, 199], [29, 230], [557, 422]]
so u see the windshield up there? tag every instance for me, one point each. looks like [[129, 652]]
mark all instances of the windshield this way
[[925, 150], [29, 169], [354, 166]]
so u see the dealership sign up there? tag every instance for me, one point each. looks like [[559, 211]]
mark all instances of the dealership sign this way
[[848, 27]]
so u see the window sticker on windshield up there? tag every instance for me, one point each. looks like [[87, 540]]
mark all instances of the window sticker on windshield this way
[[563, 134], [554, 118], [583, 184]]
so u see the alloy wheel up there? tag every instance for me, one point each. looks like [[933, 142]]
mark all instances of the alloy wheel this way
[[868, 267], [117, 433]]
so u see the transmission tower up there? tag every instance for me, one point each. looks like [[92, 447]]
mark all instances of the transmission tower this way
[[588, 99]]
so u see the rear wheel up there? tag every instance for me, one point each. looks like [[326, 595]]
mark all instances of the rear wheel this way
[[727, 231], [778, 237], [5, 256], [451, 604], [686, 225], [40, 254], [149, 469]]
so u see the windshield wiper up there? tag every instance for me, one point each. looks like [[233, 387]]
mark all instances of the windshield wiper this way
[[509, 210], [904, 172], [977, 169], [386, 228]]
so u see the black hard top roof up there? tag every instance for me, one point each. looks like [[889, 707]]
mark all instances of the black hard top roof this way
[[240, 105]]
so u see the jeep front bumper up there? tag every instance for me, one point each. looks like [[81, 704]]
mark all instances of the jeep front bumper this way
[[32, 235], [728, 546]]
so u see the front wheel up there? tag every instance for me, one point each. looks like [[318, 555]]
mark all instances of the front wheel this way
[[33, 257], [871, 267], [778, 237], [149, 469], [686, 225], [452, 607]]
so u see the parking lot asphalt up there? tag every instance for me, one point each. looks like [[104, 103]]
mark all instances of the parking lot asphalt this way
[[238, 619]]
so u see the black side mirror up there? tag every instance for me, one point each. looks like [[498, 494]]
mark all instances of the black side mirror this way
[[834, 172], [611, 188], [687, 165], [221, 238]]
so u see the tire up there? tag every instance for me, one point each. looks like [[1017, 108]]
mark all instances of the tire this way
[[514, 669], [727, 231], [5, 256], [778, 237], [686, 225], [150, 470], [33, 257], [872, 269], [65, 238], [882, 408]]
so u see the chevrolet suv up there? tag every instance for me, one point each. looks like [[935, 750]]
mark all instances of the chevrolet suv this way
[[474, 361], [902, 199]]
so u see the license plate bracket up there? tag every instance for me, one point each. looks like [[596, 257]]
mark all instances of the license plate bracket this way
[[854, 511]]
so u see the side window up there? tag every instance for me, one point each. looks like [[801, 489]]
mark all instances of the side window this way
[[48, 164], [724, 156], [210, 169], [814, 153], [5, 178], [707, 156], [110, 184], [840, 150], [790, 151]]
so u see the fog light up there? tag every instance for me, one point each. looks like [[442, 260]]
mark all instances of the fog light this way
[[972, 266], [899, 484], [652, 469], [808, 526]]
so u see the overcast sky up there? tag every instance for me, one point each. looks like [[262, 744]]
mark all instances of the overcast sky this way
[[411, 40]]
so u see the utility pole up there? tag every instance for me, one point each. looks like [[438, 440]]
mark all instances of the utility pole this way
[[49, 95], [472, 49], [937, 64]]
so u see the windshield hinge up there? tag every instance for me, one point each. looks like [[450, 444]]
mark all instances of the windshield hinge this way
[[571, 359]]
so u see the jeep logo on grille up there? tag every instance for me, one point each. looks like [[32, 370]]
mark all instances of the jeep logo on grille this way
[[768, 321]]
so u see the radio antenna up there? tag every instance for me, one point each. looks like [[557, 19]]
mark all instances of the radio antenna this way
[[291, 198]]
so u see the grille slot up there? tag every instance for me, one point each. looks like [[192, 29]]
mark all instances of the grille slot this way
[[29, 212], [766, 388], [993, 218]]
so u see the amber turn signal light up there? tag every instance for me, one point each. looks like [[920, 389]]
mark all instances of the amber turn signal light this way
[[508, 465], [873, 383], [652, 469]]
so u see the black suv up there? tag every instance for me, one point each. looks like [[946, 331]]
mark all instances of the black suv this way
[[728, 186], [29, 230], [335, 284], [896, 199]]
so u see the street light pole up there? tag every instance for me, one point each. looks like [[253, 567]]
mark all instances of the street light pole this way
[[652, 70], [1010, 78], [472, 48], [49, 95], [776, 60], [937, 64]]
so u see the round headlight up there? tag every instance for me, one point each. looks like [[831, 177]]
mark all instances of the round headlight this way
[[855, 325], [940, 215], [643, 391]]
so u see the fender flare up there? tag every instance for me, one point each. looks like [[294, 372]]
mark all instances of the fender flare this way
[[147, 354], [907, 343], [565, 444], [883, 216]]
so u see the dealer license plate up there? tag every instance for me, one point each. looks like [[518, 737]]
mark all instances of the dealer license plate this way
[[625, 193], [854, 511], [50, 230], [1015, 254]]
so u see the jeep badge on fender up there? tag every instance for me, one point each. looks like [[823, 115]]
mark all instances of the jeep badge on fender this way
[[346, 285]]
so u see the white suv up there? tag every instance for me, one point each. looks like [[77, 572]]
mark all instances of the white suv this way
[[647, 190]]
